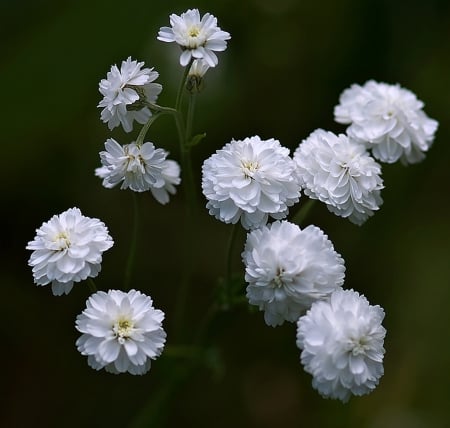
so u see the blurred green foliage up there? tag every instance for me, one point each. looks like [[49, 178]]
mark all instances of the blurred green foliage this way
[[286, 64]]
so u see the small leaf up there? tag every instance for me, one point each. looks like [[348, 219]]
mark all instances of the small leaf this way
[[195, 140]]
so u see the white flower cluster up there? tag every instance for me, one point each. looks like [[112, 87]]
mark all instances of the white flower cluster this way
[[198, 38], [287, 269], [292, 271], [125, 94], [342, 345], [67, 249], [293, 274], [122, 332], [339, 172], [387, 118], [250, 180], [139, 168]]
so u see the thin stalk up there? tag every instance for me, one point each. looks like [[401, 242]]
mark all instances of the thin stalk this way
[[91, 285], [229, 277], [190, 206], [145, 128], [181, 87], [133, 244], [305, 209], [190, 115], [191, 194], [166, 110]]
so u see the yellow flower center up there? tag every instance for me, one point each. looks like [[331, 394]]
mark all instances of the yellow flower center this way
[[123, 328], [359, 346], [249, 168], [194, 31], [62, 240], [278, 280]]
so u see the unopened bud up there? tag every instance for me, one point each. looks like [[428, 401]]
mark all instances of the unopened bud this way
[[195, 81]]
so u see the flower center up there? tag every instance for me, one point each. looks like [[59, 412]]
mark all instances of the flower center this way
[[195, 37], [135, 163], [249, 168], [62, 240], [278, 279], [358, 346], [123, 328], [194, 31], [389, 114]]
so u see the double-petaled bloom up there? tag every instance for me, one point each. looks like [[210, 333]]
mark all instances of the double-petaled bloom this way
[[127, 93], [250, 180], [388, 119], [121, 332], [339, 172], [288, 268], [139, 168], [67, 249], [341, 341]]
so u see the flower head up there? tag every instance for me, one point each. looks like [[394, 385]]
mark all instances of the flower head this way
[[340, 173], [342, 345], [198, 38], [126, 93], [389, 119], [250, 180], [67, 249], [122, 332], [139, 168], [287, 269]]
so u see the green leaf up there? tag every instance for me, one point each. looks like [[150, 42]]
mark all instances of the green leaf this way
[[195, 140]]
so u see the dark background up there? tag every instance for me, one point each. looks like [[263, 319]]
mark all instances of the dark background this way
[[281, 76]]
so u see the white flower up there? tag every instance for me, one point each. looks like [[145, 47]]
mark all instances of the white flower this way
[[389, 119], [287, 269], [67, 249], [342, 345], [122, 332], [139, 168], [197, 38], [126, 92], [250, 180], [340, 173]]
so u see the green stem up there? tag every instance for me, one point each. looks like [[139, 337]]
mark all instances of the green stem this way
[[191, 194], [92, 285], [145, 128], [179, 123], [181, 87], [229, 277], [133, 245], [190, 206], [190, 116], [305, 209], [181, 129]]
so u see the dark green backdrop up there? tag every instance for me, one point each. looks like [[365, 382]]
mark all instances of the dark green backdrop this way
[[286, 64]]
